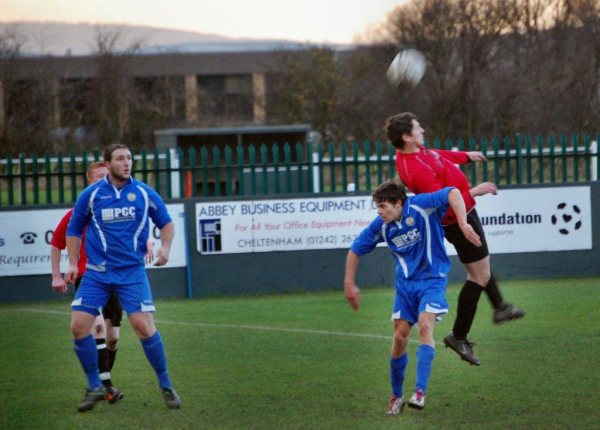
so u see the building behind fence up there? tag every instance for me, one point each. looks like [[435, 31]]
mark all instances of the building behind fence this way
[[300, 167]]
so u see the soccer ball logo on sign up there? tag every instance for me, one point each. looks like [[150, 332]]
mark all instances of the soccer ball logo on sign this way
[[567, 218]]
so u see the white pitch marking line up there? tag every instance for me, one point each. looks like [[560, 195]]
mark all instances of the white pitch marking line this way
[[246, 327]]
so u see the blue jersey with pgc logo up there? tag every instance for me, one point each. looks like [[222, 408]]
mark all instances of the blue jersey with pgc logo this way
[[117, 222], [416, 240]]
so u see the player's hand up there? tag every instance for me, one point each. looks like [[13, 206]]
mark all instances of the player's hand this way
[[476, 156], [470, 234], [71, 274], [59, 285], [483, 189], [149, 257], [163, 256], [352, 293]]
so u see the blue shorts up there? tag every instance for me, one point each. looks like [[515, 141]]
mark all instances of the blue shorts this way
[[416, 296], [130, 284]]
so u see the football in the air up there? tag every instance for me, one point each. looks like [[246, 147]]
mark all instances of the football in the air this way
[[407, 68]]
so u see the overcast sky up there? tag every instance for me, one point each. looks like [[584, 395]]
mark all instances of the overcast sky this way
[[334, 21]]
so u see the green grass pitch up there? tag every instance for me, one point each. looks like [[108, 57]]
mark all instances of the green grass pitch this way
[[306, 361]]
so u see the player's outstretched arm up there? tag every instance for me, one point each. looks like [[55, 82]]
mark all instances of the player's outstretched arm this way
[[166, 237], [476, 156], [483, 189], [73, 246], [458, 206], [351, 291], [58, 283]]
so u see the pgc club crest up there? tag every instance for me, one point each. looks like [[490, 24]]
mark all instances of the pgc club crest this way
[[410, 221], [567, 218]]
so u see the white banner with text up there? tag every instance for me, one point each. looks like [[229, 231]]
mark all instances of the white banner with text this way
[[515, 220], [25, 241]]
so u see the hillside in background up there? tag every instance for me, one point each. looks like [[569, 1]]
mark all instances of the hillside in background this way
[[55, 38]]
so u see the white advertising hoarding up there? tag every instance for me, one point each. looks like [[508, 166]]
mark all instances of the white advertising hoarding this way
[[25, 240], [537, 219], [523, 220], [281, 225]]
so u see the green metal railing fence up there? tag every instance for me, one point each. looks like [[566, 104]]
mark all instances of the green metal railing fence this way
[[296, 168]]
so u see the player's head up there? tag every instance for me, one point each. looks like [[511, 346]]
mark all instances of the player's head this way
[[119, 161], [389, 198], [403, 127], [96, 171], [110, 149]]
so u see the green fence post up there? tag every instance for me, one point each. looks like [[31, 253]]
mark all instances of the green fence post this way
[[331, 150], [299, 157], [575, 140], [10, 179], [484, 169], [507, 158], [167, 169], [144, 162], [355, 166], [48, 177], [61, 178], [252, 162], [321, 167], [217, 169], [275, 155], [183, 172], [587, 158], [379, 157], [528, 159], [391, 152], [287, 154], [540, 157], [193, 170], [35, 178], [448, 144], [496, 144], [367, 151], [228, 154], [156, 171], [563, 157], [344, 165], [73, 176], [519, 158], [473, 167], [22, 179], [309, 155], [552, 144], [240, 162], [264, 165], [204, 170]]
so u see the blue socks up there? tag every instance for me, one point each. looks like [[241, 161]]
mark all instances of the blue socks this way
[[88, 357], [397, 368], [425, 355], [155, 353]]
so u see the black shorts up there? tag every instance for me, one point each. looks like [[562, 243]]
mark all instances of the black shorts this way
[[112, 310], [467, 252]]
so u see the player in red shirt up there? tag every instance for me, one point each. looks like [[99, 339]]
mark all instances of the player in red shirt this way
[[426, 170], [107, 326]]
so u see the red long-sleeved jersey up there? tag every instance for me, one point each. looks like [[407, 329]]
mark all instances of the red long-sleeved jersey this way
[[433, 169], [59, 240]]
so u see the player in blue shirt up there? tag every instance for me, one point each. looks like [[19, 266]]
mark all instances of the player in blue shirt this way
[[116, 210], [411, 228]]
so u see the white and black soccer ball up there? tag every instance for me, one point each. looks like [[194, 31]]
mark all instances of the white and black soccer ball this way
[[407, 68], [567, 218]]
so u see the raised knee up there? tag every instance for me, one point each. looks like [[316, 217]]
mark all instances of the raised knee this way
[[112, 343]]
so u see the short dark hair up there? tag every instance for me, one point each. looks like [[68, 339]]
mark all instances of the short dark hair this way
[[398, 125], [108, 151], [390, 191]]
